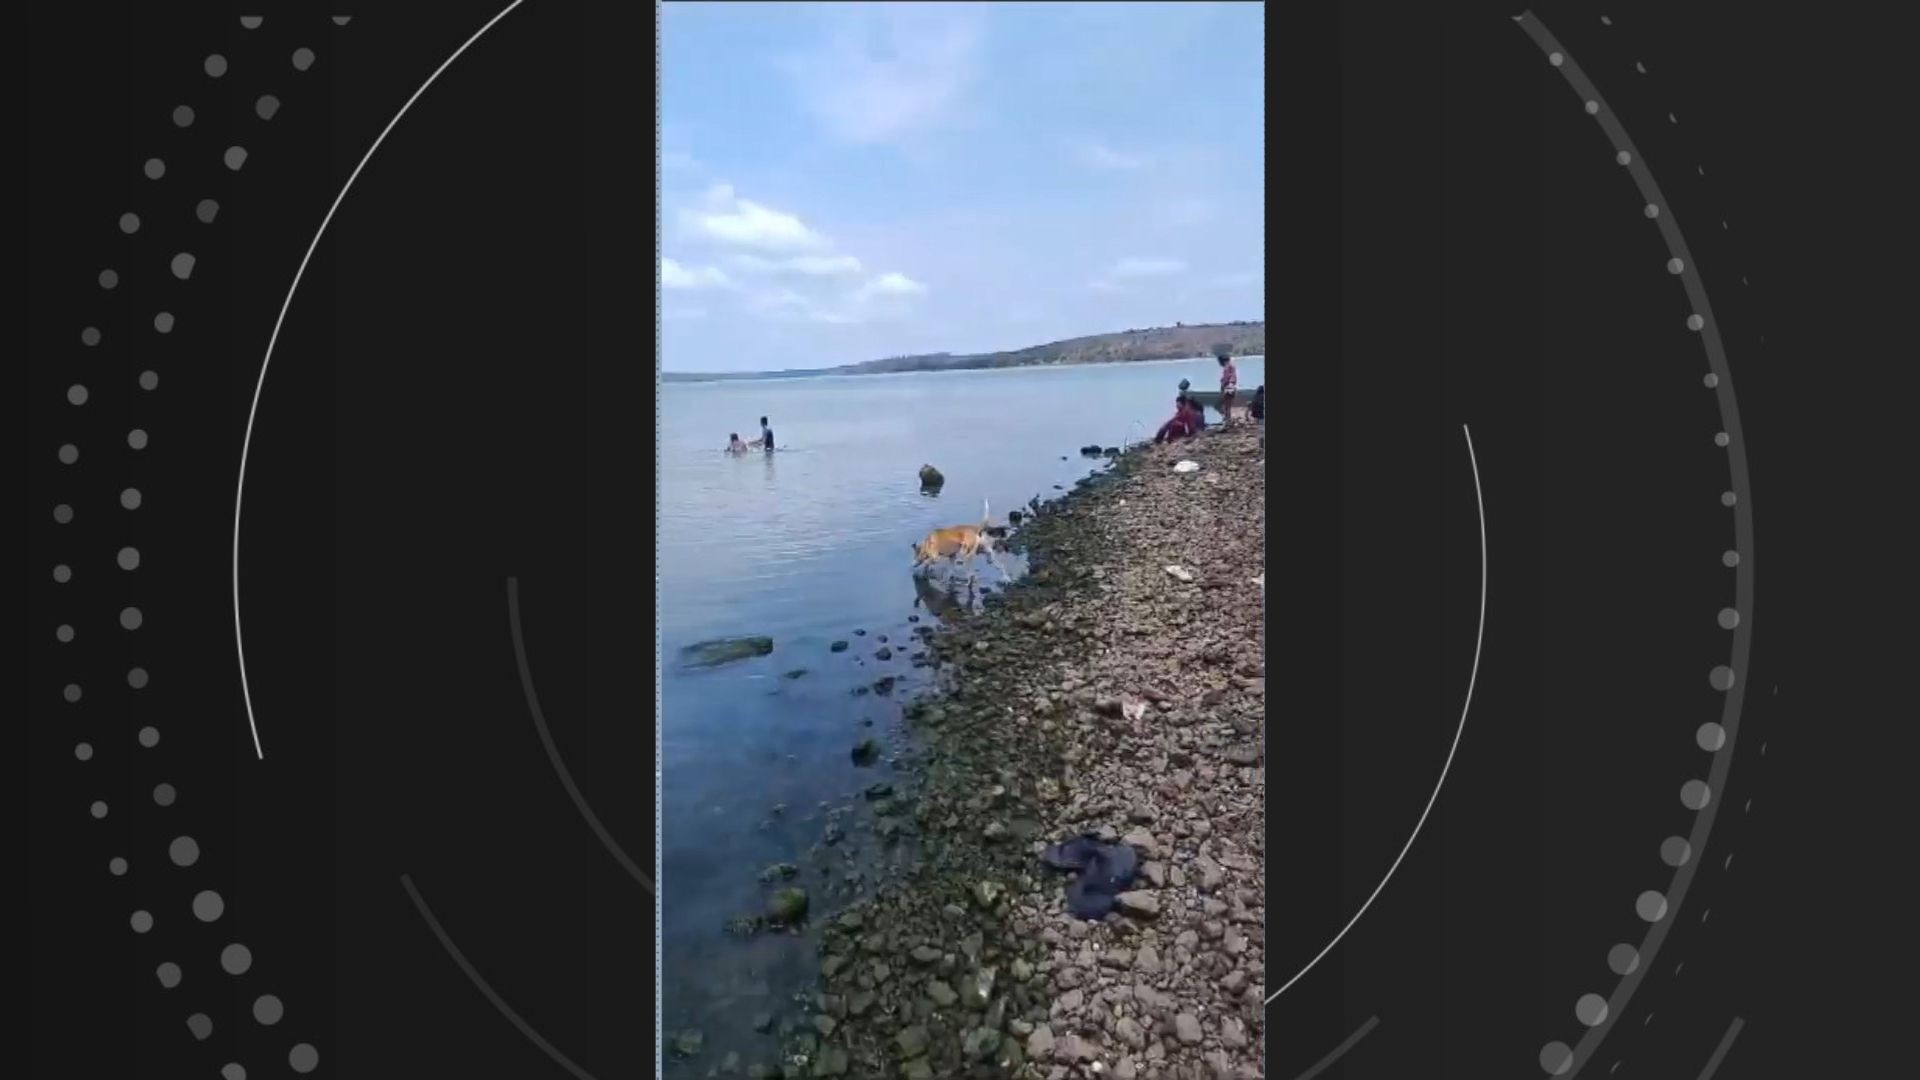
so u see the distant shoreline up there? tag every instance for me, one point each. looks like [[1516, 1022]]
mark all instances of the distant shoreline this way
[[1165, 343]]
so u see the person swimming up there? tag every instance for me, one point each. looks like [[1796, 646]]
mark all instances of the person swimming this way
[[734, 445]]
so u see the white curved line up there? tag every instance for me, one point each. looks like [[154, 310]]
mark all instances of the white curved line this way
[[246, 441], [1479, 636]]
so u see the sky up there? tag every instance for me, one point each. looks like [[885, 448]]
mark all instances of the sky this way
[[845, 182]]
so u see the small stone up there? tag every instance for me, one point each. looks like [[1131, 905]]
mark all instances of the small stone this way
[[942, 994], [1140, 905], [912, 1041], [838, 646], [1187, 1029], [1040, 1043]]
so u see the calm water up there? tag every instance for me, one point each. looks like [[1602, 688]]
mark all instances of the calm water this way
[[805, 546]]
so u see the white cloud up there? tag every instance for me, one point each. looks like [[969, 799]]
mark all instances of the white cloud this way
[[728, 219], [678, 161], [809, 265], [1147, 267], [890, 284], [890, 70], [675, 276], [1098, 156]]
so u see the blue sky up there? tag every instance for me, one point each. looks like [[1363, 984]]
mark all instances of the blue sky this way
[[841, 182]]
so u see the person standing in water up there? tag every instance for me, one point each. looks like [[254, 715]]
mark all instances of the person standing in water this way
[[765, 441]]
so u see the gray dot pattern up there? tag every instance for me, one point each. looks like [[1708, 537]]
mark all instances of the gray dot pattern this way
[[207, 905]]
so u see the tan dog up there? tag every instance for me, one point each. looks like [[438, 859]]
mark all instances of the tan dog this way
[[960, 543]]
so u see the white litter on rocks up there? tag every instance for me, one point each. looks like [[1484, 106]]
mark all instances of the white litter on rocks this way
[[1180, 572], [1187, 466]]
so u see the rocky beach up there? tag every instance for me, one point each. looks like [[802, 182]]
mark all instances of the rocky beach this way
[[1116, 690]]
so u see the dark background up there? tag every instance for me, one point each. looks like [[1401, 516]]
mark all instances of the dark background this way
[[461, 393]]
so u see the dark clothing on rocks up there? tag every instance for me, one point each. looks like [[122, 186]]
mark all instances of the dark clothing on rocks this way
[[1105, 871]]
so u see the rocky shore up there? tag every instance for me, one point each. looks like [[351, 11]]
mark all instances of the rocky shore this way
[[1118, 689]]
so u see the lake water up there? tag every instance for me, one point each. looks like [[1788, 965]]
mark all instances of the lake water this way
[[806, 546]]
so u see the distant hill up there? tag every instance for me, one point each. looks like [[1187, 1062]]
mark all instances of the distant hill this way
[[1176, 342]]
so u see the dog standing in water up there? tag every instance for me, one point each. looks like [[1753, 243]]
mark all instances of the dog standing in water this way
[[959, 543]]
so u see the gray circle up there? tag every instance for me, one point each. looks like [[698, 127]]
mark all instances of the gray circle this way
[[137, 438], [1729, 618], [62, 574], [1675, 851], [84, 751], [163, 322], [71, 692], [216, 65], [142, 921], [183, 265], [109, 278], [1674, 266], [183, 116], [251, 22], [266, 106], [130, 498], [129, 223], [62, 514], [77, 394], [155, 168], [1722, 439], [149, 736], [98, 809], [1652, 211], [303, 1058], [1710, 380], [268, 1010], [1711, 737], [185, 851], [1721, 677], [1622, 158], [1591, 1010], [1556, 59], [1695, 322], [1730, 558], [233, 1070], [1556, 1058], [69, 454], [137, 678], [1623, 959], [342, 20], [236, 958], [164, 795], [131, 618], [117, 866], [129, 558], [207, 906], [1728, 498], [235, 157], [90, 336], [168, 974], [64, 633], [302, 58], [1593, 108], [201, 1025], [206, 210], [149, 380], [1651, 906], [1694, 794]]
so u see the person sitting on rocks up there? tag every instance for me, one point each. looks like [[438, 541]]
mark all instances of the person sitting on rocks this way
[[1182, 425]]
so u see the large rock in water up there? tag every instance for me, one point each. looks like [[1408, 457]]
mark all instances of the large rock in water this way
[[787, 906], [725, 651], [930, 477]]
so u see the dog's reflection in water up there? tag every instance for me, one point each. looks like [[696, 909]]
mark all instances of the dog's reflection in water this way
[[945, 603]]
